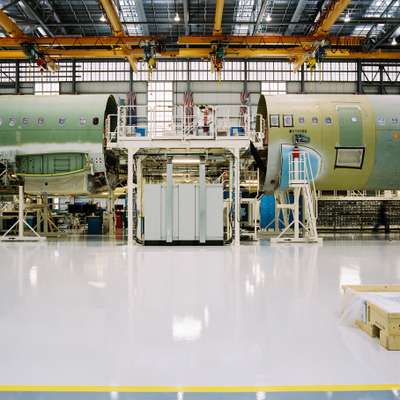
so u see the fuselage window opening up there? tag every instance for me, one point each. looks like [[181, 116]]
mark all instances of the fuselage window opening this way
[[40, 121], [349, 157], [274, 120], [288, 121], [328, 121], [314, 120], [12, 121], [301, 120], [96, 120], [61, 121]]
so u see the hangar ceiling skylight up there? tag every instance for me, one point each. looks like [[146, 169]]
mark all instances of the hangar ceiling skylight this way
[[129, 14], [377, 9]]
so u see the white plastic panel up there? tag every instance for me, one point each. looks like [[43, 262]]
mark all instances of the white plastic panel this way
[[214, 210], [187, 211], [152, 211]]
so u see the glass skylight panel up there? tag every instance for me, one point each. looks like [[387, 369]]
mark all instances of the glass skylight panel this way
[[243, 13], [128, 13], [377, 9]]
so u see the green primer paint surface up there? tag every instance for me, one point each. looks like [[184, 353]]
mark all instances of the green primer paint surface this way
[[52, 119], [350, 125], [48, 164]]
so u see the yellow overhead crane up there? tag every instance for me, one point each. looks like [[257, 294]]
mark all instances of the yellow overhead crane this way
[[313, 53], [135, 41], [298, 49], [230, 53], [117, 28], [10, 27]]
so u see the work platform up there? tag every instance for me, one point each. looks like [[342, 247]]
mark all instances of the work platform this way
[[140, 130]]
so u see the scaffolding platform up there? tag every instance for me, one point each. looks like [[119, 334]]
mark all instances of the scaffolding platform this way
[[139, 129], [197, 127]]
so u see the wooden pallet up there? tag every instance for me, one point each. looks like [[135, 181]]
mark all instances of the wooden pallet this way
[[379, 322]]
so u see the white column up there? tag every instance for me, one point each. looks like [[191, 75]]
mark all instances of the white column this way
[[296, 216], [130, 196], [21, 207], [229, 228], [46, 214], [110, 206], [237, 195], [139, 191], [169, 202], [202, 201]]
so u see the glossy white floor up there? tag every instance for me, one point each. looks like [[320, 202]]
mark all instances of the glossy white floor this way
[[98, 313]]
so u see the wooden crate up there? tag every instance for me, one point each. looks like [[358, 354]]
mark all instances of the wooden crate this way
[[379, 322]]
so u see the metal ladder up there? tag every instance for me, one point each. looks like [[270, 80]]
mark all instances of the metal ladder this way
[[301, 183]]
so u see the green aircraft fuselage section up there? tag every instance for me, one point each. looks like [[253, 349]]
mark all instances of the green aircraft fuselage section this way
[[60, 127], [56, 143], [367, 125]]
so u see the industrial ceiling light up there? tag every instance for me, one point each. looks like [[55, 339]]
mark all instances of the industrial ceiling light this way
[[41, 31], [347, 18], [394, 41], [268, 17], [177, 17], [102, 18]]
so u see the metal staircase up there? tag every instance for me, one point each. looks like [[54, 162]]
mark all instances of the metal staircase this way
[[301, 186]]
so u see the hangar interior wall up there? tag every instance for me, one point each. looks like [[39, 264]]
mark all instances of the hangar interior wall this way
[[256, 76]]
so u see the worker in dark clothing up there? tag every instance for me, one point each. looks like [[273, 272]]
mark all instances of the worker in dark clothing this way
[[383, 218]]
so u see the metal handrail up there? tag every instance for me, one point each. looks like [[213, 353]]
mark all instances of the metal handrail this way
[[205, 122]]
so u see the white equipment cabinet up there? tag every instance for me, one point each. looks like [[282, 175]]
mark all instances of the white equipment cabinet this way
[[192, 221]]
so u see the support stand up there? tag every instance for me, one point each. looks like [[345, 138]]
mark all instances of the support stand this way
[[21, 222], [299, 185]]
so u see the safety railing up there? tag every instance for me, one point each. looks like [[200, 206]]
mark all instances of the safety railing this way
[[300, 173], [297, 168], [184, 123]]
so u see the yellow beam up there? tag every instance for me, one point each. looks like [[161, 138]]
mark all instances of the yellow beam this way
[[289, 53], [9, 26], [76, 53], [374, 55], [71, 41], [321, 29], [219, 11], [104, 41], [231, 52], [112, 15], [329, 17], [116, 25], [261, 40]]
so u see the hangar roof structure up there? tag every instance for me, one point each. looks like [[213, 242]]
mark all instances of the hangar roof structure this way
[[299, 30]]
